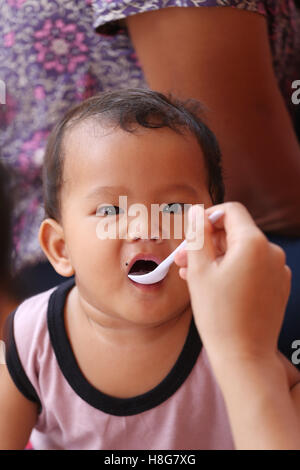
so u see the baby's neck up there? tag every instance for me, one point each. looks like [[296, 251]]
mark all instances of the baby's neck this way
[[115, 331], [123, 360]]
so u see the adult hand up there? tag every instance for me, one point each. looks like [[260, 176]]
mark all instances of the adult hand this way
[[239, 286]]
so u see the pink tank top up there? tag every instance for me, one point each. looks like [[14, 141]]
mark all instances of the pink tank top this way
[[185, 411]]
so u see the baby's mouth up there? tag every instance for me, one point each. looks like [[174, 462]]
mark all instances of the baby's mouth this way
[[142, 266]]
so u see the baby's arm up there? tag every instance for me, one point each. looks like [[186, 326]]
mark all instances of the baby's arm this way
[[18, 415]]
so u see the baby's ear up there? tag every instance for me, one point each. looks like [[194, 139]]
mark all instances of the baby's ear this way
[[52, 241]]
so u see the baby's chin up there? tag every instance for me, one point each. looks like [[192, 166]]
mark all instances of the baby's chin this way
[[141, 320], [139, 304], [153, 313]]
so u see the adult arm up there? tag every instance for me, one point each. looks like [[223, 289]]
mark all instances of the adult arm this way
[[263, 405], [239, 294], [222, 57]]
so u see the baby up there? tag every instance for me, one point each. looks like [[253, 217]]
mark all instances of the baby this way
[[102, 362]]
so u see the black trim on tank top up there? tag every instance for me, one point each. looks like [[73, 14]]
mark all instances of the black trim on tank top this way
[[14, 364], [94, 397]]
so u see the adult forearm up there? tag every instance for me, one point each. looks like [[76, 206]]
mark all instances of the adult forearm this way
[[259, 404]]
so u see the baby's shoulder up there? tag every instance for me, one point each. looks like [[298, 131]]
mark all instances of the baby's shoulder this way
[[27, 324], [32, 313], [27, 344]]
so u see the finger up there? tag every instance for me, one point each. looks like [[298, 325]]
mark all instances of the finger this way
[[233, 210], [288, 276], [200, 245], [237, 223], [219, 241], [216, 215], [278, 252], [180, 258], [288, 272], [183, 273]]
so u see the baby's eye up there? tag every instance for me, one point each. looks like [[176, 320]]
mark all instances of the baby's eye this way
[[174, 208], [108, 210]]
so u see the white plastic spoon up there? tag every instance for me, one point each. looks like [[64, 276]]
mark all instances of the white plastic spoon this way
[[162, 269]]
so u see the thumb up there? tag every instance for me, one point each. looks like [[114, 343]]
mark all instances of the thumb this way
[[200, 247]]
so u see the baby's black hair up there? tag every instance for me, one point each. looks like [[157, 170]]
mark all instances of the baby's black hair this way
[[129, 109]]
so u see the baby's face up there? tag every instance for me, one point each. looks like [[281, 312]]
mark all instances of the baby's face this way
[[147, 167]]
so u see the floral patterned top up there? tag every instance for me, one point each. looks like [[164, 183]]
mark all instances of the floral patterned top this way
[[56, 53]]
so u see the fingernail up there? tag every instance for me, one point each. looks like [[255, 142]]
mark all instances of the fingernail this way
[[216, 215]]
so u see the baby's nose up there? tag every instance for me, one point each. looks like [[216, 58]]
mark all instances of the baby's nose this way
[[133, 238], [141, 228]]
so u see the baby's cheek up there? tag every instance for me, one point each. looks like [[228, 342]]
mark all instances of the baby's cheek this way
[[92, 255], [180, 292], [101, 273], [104, 257]]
